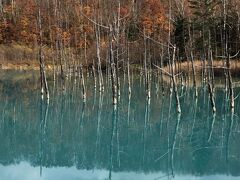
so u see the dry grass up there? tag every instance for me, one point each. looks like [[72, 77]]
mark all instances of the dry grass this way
[[20, 57], [218, 68], [185, 69], [17, 52]]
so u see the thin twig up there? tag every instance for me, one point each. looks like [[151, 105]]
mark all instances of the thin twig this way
[[166, 73], [94, 22]]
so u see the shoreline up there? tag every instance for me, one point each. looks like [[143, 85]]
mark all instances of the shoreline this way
[[183, 67], [218, 68], [23, 65]]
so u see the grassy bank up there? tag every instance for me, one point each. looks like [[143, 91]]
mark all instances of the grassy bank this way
[[16, 56], [218, 68]]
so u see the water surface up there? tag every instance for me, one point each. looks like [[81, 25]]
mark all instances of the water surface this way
[[140, 139]]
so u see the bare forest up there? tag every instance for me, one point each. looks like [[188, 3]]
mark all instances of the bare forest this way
[[180, 39]]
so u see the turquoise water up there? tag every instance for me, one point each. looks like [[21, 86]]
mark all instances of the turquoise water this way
[[140, 139]]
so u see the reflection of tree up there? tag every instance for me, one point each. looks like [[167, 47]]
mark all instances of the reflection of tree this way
[[129, 108], [211, 127], [113, 134], [145, 129], [43, 134], [70, 133], [175, 133], [194, 116], [228, 135], [98, 138]]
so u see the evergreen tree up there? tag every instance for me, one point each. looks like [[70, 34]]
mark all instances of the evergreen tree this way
[[181, 36], [203, 22]]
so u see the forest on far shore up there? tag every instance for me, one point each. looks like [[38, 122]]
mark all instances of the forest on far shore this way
[[80, 29]]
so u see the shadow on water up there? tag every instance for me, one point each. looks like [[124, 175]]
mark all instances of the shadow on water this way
[[138, 135]]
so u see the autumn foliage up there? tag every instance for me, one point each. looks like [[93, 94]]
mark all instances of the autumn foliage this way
[[65, 21], [154, 18], [72, 23]]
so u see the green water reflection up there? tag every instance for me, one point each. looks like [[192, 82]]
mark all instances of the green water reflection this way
[[137, 140]]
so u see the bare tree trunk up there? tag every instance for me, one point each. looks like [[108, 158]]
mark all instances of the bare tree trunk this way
[[212, 127], [228, 75], [112, 67], [192, 58], [146, 73], [83, 84], [230, 83], [97, 33], [117, 36], [128, 72], [44, 84], [94, 75], [173, 76], [212, 97]]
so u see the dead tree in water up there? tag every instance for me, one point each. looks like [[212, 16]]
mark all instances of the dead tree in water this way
[[146, 70], [100, 75], [43, 78], [173, 79], [212, 97], [226, 54], [230, 83], [94, 76], [117, 39], [175, 89], [175, 134], [112, 138], [83, 84], [112, 66], [128, 73], [211, 82], [192, 59], [229, 134]]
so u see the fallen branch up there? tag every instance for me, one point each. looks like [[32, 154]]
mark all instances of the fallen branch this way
[[167, 73]]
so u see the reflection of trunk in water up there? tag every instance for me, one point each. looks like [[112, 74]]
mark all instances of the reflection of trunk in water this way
[[113, 133], [174, 142], [43, 128], [3, 113], [63, 100], [82, 84], [228, 135], [118, 143], [224, 119], [161, 118], [194, 117], [81, 119], [211, 128], [212, 96], [79, 151], [129, 108], [98, 140], [204, 96], [168, 121], [146, 121], [14, 123]]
